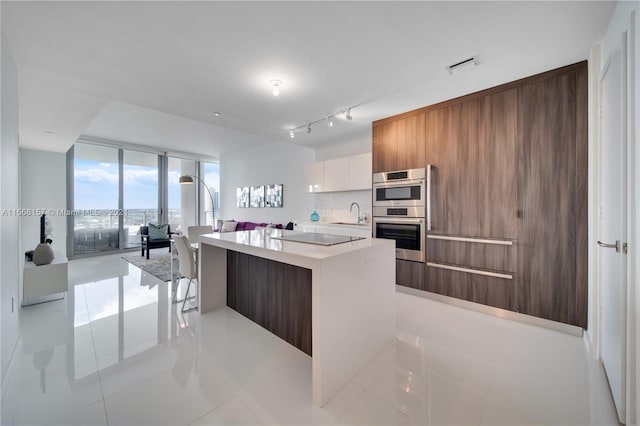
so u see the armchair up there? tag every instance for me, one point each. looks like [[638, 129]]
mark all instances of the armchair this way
[[147, 243]]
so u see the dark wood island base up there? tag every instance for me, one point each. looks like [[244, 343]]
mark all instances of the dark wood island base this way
[[274, 295]]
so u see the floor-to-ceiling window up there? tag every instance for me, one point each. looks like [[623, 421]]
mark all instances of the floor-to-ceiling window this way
[[114, 190], [181, 198], [95, 199], [211, 176], [140, 194]]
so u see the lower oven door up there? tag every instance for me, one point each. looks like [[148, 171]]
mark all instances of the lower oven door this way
[[408, 234]]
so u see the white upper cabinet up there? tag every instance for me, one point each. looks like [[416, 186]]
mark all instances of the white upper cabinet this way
[[336, 175], [360, 171], [340, 174], [314, 177]]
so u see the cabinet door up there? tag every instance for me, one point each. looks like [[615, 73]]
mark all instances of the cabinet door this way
[[360, 172], [410, 274], [411, 142], [385, 147], [491, 291], [336, 175], [314, 177], [473, 147], [399, 145], [552, 138]]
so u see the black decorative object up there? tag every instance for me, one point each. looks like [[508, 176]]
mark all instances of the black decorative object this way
[[42, 223], [43, 254]]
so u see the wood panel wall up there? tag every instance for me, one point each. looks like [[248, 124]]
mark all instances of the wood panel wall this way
[[275, 295], [510, 163]]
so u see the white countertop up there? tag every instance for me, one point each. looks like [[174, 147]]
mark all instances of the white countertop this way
[[259, 243]]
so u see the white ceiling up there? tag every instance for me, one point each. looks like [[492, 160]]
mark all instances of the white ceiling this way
[[153, 73]]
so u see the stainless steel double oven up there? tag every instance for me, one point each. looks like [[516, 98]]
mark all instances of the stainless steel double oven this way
[[399, 205]]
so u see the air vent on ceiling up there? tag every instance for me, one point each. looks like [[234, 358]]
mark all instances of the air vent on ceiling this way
[[465, 62]]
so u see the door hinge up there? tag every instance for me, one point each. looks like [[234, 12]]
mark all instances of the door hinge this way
[[625, 248]]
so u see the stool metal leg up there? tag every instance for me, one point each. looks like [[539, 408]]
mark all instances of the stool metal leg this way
[[186, 297]]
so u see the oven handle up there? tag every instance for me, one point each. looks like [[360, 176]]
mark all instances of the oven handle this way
[[395, 183], [391, 219], [428, 197]]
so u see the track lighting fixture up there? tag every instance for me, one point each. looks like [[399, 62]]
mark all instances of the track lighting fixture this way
[[330, 119], [275, 87]]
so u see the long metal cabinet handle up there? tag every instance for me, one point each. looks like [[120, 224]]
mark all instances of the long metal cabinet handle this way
[[615, 246], [428, 197], [470, 240], [471, 271]]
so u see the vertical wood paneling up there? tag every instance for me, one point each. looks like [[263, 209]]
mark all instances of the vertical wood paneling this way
[[547, 196], [275, 295], [411, 142], [436, 124], [473, 146], [377, 149], [512, 164], [410, 274]]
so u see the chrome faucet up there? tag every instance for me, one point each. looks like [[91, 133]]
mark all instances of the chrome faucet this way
[[360, 218]]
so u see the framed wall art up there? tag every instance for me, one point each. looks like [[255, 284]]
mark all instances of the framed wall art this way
[[256, 197], [273, 195], [242, 195]]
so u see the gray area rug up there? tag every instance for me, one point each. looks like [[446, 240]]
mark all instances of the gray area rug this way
[[157, 265]]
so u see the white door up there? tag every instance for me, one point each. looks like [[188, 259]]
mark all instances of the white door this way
[[612, 234]]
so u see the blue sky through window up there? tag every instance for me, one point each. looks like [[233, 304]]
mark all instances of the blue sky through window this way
[[96, 185]]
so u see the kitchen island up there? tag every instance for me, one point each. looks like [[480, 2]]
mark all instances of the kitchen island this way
[[349, 289]]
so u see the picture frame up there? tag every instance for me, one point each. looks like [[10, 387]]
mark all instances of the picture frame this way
[[242, 197], [256, 196], [273, 195]]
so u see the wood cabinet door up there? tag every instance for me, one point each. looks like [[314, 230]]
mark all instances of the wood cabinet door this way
[[410, 274], [411, 147], [552, 197], [385, 147], [473, 148], [399, 145]]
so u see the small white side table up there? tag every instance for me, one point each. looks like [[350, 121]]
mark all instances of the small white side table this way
[[44, 283]]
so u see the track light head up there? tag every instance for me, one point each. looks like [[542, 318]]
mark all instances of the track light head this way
[[347, 114], [330, 121], [275, 87], [308, 128]]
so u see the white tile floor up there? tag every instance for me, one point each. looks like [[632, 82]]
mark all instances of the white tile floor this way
[[116, 352]]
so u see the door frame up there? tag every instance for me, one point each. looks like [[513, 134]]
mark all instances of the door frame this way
[[623, 31]]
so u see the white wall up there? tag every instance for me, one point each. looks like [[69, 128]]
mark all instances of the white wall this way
[[10, 257], [355, 146], [272, 163], [43, 185]]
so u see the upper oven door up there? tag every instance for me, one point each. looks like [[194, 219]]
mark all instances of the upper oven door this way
[[404, 193]]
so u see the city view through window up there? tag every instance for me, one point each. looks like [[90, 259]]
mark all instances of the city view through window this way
[[97, 215]]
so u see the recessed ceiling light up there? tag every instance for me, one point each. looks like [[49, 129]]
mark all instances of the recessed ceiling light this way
[[347, 114], [216, 114], [275, 87]]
